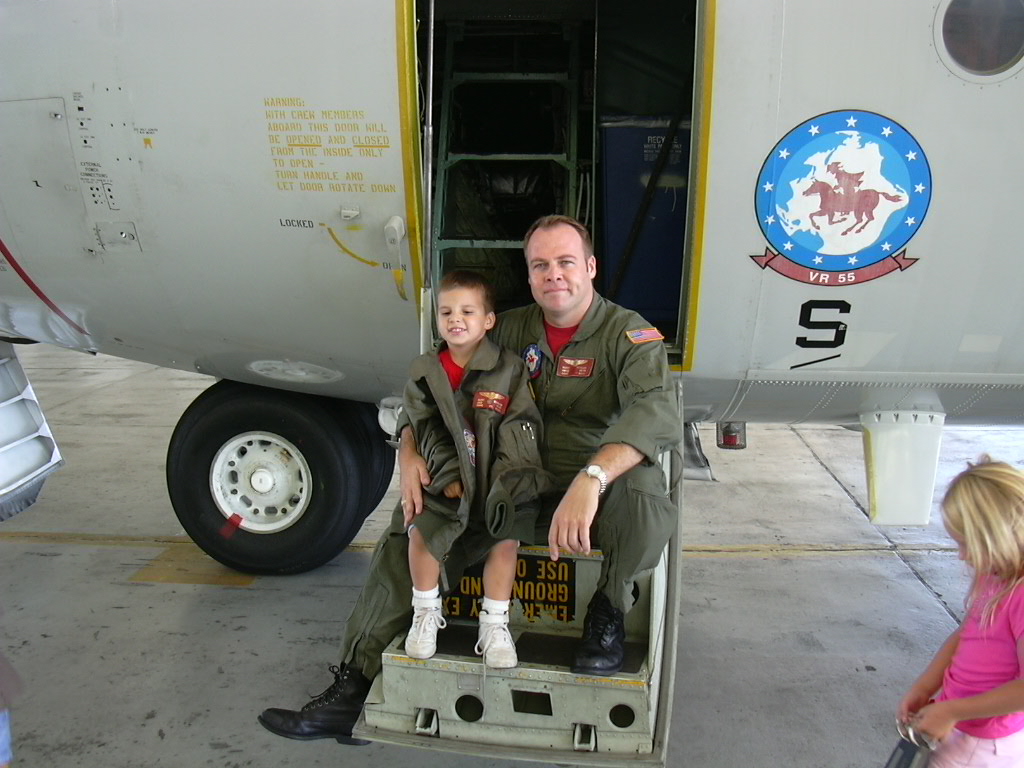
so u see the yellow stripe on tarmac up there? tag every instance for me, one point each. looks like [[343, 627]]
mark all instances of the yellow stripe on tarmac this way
[[180, 562], [94, 539], [754, 551], [190, 565]]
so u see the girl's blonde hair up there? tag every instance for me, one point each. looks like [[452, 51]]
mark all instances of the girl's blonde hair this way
[[983, 509]]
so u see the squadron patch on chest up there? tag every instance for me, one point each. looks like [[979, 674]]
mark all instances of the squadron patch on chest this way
[[470, 439], [575, 367], [492, 401], [640, 335], [534, 359]]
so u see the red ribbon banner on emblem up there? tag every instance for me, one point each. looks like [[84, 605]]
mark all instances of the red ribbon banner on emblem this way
[[794, 271]]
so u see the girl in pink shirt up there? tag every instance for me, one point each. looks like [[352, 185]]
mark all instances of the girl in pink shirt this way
[[978, 715]]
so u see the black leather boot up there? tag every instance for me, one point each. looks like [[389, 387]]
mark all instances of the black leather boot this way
[[331, 715], [603, 647]]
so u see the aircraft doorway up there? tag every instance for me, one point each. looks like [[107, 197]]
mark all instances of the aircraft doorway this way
[[582, 108]]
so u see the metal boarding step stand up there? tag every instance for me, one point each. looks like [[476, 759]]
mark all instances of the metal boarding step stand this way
[[540, 710], [28, 452]]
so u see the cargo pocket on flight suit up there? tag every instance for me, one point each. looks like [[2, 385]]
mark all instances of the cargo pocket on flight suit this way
[[635, 524], [512, 507]]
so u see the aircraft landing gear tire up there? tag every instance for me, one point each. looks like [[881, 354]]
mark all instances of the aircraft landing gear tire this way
[[268, 482]]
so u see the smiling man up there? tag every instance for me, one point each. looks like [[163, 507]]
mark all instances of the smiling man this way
[[600, 377], [603, 389]]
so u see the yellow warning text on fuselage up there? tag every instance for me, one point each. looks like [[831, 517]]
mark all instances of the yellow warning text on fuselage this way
[[314, 149]]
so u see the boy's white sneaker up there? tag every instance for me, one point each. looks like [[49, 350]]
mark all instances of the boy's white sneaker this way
[[494, 641], [421, 642]]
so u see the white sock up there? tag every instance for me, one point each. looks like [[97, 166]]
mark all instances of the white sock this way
[[426, 595], [495, 606]]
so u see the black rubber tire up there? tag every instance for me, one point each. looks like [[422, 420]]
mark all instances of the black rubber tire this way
[[361, 419], [337, 464], [383, 465]]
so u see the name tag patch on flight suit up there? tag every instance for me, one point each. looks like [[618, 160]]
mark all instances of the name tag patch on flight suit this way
[[494, 401], [534, 358], [575, 367], [640, 335]]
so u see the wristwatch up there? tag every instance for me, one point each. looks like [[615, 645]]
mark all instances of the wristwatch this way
[[593, 470]]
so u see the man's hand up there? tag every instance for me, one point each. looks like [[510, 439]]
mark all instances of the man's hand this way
[[413, 476], [570, 525], [453, 490]]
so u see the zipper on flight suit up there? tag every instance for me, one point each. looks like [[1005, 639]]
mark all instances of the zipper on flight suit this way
[[590, 386]]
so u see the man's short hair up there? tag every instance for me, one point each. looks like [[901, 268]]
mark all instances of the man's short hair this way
[[467, 278], [554, 220]]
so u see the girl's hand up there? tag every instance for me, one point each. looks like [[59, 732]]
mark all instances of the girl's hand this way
[[912, 701], [935, 720], [453, 490]]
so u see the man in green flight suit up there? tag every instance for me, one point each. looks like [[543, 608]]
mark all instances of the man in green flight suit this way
[[601, 380]]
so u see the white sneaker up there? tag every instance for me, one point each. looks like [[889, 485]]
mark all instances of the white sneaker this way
[[421, 642], [494, 641]]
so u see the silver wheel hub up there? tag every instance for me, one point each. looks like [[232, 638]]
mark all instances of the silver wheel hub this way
[[260, 482]]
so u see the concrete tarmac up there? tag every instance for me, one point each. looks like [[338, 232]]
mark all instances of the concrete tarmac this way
[[802, 623]]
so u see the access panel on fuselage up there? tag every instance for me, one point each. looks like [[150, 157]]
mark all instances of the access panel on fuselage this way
[[263, 160]]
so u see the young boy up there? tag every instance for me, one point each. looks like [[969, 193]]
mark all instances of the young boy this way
[[470, 408]]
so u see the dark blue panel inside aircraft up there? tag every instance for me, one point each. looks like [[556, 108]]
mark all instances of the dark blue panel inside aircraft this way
[[651, 282]]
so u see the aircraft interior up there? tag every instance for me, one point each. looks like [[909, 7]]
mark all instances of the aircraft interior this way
[[570, 107]]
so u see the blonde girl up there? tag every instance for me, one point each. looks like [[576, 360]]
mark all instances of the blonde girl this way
[[971, 696]]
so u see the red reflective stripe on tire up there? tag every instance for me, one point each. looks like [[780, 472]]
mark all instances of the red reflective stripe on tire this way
[[232, 525]]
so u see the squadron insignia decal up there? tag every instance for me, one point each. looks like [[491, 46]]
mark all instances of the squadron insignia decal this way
[[839, 197]]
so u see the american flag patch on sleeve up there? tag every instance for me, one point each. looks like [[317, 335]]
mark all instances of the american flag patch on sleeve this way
[[640, 335]]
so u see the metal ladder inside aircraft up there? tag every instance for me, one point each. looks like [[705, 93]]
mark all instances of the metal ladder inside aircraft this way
[[489, 176], [28, 452]]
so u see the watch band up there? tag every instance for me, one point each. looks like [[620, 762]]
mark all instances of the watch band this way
[[596, 472]]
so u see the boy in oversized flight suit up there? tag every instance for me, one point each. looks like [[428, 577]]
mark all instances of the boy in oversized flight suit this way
[[601, 379], [477, 427]]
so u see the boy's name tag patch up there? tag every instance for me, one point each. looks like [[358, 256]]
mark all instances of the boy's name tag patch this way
[[575, 367], [492, 401]]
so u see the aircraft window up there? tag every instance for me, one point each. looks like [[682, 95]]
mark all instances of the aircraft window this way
[[983, 37]]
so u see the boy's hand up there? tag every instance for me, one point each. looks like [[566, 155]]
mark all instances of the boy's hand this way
[[454, 490]]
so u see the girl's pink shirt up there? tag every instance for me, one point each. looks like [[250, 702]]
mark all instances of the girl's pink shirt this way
[[986, 658]]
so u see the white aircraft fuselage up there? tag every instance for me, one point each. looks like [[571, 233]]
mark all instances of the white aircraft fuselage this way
[[259, 196]]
